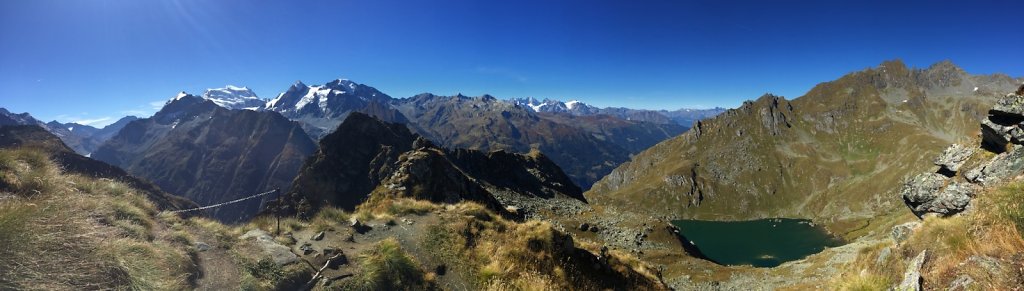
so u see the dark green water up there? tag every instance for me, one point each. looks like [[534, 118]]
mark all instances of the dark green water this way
[[761, 243]]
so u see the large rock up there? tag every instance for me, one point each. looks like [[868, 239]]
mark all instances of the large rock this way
[[996, 136], [1012, 105], [932, 192], [953, 157], [912, 277], [999, 168], [1003, 124], [281, 254], [902, 232]]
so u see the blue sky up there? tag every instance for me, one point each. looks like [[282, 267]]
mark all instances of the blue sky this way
[[95, 61]]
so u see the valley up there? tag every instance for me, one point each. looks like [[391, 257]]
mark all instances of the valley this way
[[784, 194]]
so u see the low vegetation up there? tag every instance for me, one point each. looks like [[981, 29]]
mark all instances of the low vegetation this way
[[386, 267], [62, 231], [983, 244], [68, 232], [532, 255]]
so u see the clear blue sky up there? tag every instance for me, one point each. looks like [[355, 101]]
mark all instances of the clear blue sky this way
[[99, 60]]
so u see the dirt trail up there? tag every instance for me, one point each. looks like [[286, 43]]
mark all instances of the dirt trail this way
[[217, 269], [408, 230]]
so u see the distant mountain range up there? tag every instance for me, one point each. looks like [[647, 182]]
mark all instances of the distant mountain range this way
[[587, 142], [684, 117], [83, 139], [228, 142]]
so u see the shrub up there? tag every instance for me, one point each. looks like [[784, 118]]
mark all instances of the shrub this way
[[386, 267]]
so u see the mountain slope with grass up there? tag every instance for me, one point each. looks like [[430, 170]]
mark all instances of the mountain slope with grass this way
[[35, 137], [832, 154], [366, 160], [66, 231], [62, 230], [210, 154]]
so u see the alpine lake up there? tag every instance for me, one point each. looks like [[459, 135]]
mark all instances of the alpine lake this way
[[760, 243]]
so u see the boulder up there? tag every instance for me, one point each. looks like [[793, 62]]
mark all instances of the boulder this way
[[584, 226], [1011, 105], [318, 236], [922, 188], [963, 282], [281, 254], [902, 232], [951, 200], [999, 168], [952, 158], [201, 246], [929, 193], [994, 136], [307, 249], [912, 277]]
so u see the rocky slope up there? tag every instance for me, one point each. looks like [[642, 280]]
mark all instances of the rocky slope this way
[[968, 236], [366, 159], [210, 154], [832, 154], [35, 137]]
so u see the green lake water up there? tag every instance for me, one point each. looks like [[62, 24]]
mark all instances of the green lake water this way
[[761, 243]]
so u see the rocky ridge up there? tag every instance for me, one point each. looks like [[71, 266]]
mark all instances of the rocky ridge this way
[[199, 150], [948, 190], [368, 160], [836, 152], [33, 136]]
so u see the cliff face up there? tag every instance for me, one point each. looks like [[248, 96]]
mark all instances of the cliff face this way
[[836, 152], [209, 154], [366, 159]]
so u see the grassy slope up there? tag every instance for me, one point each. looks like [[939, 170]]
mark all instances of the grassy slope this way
[[993, 229], [64, 231], [850, 143], [73, 232]]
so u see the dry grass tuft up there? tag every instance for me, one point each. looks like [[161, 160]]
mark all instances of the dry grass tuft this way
[[532, 255], [991, 230], [70, 232]]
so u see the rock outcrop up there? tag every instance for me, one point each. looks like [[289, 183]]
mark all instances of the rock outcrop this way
[[280, 254], [946, 193], [912, 278], [366, 159], [952, 158]]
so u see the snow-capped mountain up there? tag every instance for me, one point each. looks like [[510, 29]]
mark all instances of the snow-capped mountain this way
[[574, 107], [233, 97], [684, 117], [321, 108], [327, 100]]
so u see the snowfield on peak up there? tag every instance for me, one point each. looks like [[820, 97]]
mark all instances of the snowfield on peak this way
[[233, 97]]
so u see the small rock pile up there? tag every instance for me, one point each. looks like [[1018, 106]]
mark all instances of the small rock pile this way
[[945, 192]]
